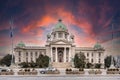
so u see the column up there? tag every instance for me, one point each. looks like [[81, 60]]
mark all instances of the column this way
[[34, 57], [56, 54], [56, 35], [69, 57], [64, 54], [51, 55], [29, 57]]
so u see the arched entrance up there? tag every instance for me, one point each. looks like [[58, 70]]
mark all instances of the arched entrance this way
[[60, 56]]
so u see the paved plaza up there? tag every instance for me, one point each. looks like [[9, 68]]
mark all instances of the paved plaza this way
[[67, 77]]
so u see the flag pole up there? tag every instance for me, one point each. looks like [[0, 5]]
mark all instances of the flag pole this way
[[11, 36], [112, 63]]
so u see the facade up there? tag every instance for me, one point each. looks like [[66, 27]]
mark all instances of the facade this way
[[60, 48]]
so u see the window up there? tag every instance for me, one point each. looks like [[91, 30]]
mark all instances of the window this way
[[92, 54], [99, 54], [60, 35], [26, 59], [91, 60], [19, 53], [54, 35], [31, 59], [65, 36], [99, 61], [19, 59], [87, 54]]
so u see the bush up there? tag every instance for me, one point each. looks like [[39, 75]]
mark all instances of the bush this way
[[89, 65], [81, 69], [98, 66]]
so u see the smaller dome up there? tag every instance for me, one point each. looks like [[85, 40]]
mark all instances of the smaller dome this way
[[48, 35], [21, 44], [97, 46], [60, 25]]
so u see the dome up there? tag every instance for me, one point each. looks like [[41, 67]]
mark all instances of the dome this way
[[60, 25], [21, 44], [97, 46]]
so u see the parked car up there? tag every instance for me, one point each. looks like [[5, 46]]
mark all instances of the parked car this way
[[3, 70], [45, 70]]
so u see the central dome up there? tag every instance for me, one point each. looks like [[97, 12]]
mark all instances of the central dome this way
[[60, 25]]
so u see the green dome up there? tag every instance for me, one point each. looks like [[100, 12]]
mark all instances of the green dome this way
[[21, 44], [60, 25], [97, 46]]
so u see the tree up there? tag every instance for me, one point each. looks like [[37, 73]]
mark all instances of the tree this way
[[42, 61], [6, 60], [107, 61], [79, 60]]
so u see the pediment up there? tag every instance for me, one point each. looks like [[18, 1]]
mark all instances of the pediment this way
[[60, 42]]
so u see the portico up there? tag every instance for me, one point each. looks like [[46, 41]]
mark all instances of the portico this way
[[60, 54]]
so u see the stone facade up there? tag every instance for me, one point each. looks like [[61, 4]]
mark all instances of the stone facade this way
[[60, 48]]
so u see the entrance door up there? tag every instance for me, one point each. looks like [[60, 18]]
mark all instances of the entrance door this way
[[60, 56]]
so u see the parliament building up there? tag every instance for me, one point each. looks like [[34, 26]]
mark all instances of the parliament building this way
[[60, 48]]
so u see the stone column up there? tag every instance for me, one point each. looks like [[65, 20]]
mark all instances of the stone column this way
[[56, 54], [29, 57], [34, 56], [51, 55], [64, 54], [56, 35], [69, 57]]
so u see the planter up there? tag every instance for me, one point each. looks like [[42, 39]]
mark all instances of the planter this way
[[34, 73], [53, 72], [91, 72], [113, 72], [98, 72], [21, 73], [6, 73], [75, 72]]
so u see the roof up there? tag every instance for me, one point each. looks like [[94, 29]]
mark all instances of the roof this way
[[84, 48], [21, 44]]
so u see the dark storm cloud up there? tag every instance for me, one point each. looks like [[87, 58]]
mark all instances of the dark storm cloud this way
[[91, 18]]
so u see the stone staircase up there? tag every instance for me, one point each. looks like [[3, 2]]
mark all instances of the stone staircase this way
[[61, 64]]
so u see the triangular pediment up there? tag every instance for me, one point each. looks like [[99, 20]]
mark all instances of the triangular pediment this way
[[60, 42]]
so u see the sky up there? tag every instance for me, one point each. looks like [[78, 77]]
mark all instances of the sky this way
[[90, 21]]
